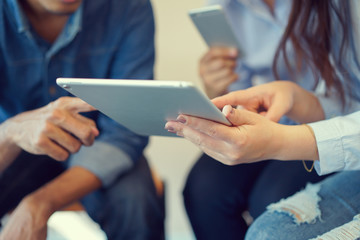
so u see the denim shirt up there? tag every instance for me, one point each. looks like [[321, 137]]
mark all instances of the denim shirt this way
[[102, 39]]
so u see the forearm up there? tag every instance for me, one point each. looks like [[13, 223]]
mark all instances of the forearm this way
[[296, 143], [306, 108], [67, 188], [8, 149]]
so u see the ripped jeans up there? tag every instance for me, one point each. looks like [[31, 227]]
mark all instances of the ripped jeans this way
[[326, 210]]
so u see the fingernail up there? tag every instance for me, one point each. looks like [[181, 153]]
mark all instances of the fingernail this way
[[181, 119], [170, 129]]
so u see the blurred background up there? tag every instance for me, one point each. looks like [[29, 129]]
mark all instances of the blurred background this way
[[179, 48]]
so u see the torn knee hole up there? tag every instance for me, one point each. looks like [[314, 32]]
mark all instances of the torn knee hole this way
[[303, 206]]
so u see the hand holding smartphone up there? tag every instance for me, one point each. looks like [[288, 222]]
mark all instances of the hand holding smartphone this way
[[212, 23]]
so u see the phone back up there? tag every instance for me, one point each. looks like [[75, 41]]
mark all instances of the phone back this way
[[214, 27]]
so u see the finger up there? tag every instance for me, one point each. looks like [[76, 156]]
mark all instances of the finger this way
[[208, 127], [62, 138], [219, 64], [214, 147], [84, 132], [88, 121], [220, 85], [73, 104], [209, 145], [196, 136], [278, 108], [52, 149], [220, 52], [221, 75], [239, 117], [233, 98]]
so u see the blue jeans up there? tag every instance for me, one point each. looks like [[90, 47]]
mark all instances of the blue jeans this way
[[216, 195], [332, 204], [128, 209]]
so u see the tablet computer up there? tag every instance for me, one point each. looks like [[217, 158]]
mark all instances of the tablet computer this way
[[212, 24], [143, 106]]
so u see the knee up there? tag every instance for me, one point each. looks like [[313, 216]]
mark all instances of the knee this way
[[269, 226]]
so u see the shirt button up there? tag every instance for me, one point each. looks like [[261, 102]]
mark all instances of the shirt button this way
[[52, 90]]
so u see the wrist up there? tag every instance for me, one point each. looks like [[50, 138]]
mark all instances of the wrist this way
[[7, 135], [40, 203], [296, 143], [306, 107]]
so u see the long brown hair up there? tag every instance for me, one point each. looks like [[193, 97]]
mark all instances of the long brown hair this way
[[310, 29]]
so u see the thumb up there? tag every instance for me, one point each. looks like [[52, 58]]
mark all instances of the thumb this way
[[77, 105], [239, 117]]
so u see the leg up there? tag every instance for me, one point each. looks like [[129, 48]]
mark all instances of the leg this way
[[279, 180], [130, 208], [216, 195], [313, 212], [26, 174]]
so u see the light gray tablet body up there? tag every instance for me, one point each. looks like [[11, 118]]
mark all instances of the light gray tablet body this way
[[143, 106], [212, 24]]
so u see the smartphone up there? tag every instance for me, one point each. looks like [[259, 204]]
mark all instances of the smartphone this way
[[214, 27]]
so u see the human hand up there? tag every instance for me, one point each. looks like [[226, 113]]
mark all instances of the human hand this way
[[252, 138], [276, 99], [27, 222], [56, 129], [248, 140], [217, 70]]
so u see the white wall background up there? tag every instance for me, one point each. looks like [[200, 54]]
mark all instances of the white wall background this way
[[179, 48]]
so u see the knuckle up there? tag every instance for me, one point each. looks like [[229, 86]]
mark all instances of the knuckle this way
[[87, 135], [62, 101], [199, 142], [40, 143], [47, 128], [212, 131], [92, 123], [234, 157], [57, 116]]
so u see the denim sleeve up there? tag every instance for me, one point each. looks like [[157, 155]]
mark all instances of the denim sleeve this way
[[117, 148], [338, 143]]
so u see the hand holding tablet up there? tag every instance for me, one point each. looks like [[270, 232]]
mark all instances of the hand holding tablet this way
[[143, 106]]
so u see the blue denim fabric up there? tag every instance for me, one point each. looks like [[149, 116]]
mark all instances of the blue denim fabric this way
[[130, 208], [339, 204], [216, 195], [103, 39], [127, 209]]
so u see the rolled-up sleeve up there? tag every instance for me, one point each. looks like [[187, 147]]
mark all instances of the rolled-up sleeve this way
[[104, 160], [114, 152], [338, 142]]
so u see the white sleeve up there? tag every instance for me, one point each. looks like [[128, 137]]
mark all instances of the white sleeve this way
[[338, 142]]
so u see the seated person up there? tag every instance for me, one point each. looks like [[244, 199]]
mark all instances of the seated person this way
[[103, 164], [332, 144], [217, 196]]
